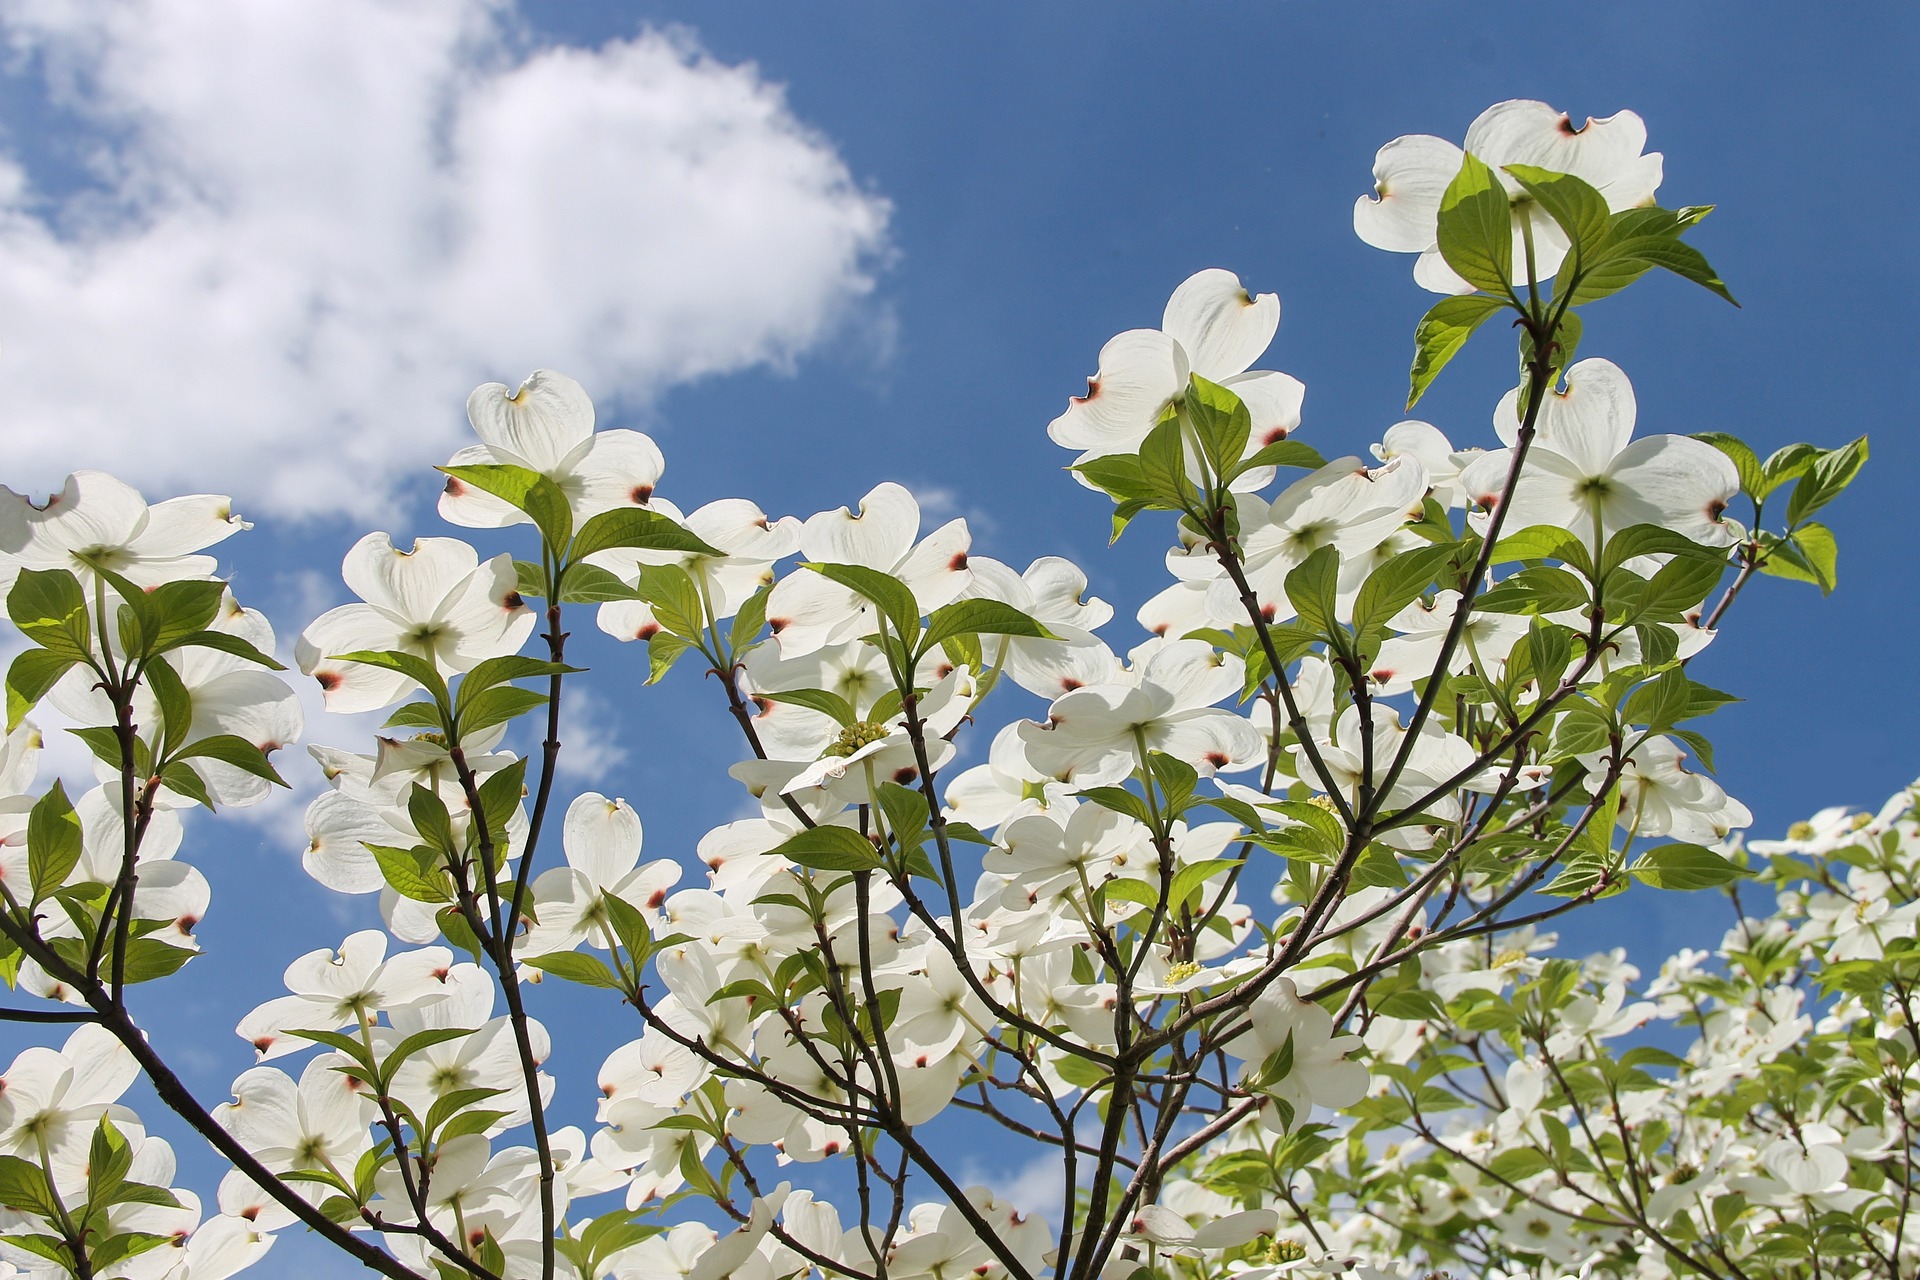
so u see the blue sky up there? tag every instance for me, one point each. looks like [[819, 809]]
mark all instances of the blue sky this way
[[1048, 174]]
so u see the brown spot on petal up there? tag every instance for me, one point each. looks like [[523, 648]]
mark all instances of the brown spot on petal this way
[[264, 1043], [920, 1061], [1274, 436], [329, 680], [656, 898], [762, 705], [958, 562], [1069, 683], [185, 923], [1568, 129], [1267, 611], [1093, 392], [1716, 509], [1160, 630], [906, 775], [454, 486], [641, 493], [1381, 675], [832, 1149], [251, 1212], [647, 632], [512, 601], [777, 625], [1218, 759]]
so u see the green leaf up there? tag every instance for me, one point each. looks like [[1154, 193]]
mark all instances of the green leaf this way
[[826, 703], [572, 966], [1398, 583], [23, 1186], [480, 1121], [980, 617], [410, 665], [540, 498], [180, 778], [1118, 475], [663, 650], [639, 529], [590, 584], [1681, 583], [1584, 876], [1540, 542], [1753, 477], [225, 642], [1221, 421], [1580, 210], [887, 593], [501, 792], [175, 704], [1163, 464], [149, 959], [1540, 589], [415, 715], [829, 849], [1440, 335], [1119, 800], [1283, 453], [1683, 867], [1684, 261], [629, 926], [182, 609], [229, 748], [1810, 555], [1651, 540], [455, 929], [117, 1248], [430, 818], [1475, 230], [497, 706], [1581, 730], [675, 599], [1176, 780], [413, 873], [1378, 868], [748, 622], [1194, 874], [452, 1103], [109, 1157], [1313, 586], [1831, 472], [53, 841], [29, 676], [415, 1043], [51, 610]]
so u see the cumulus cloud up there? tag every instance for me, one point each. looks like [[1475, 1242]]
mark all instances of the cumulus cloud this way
[[307, 230]]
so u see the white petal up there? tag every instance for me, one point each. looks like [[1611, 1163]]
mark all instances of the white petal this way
[[619, 469], [602, 838], [541, 422], [1410, 174], [408, 584], [1221, 327], [878, 536], [1141, 371]]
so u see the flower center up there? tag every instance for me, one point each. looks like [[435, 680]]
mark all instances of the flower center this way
[[860, 733]]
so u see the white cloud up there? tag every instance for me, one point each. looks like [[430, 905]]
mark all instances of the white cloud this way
[[589, 737], [311, 229]]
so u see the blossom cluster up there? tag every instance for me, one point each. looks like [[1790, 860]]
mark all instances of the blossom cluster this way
[[1270, 862]]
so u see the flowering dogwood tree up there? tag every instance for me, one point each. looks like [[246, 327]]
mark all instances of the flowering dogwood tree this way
[[1435, 698]]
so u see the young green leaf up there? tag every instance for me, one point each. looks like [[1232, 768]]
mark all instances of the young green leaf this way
[[1475, 231], [1440, 335]]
